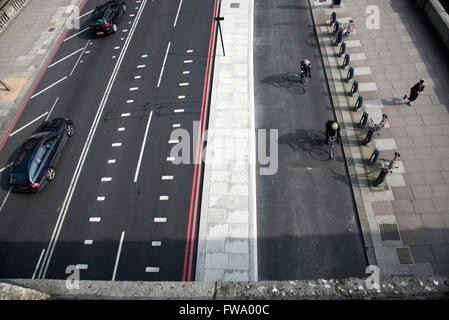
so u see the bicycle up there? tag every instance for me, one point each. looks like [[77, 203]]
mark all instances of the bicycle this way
[[331, 146], [374, 128], [386, 169]]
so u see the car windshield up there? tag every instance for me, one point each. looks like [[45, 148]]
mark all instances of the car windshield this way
[[19, 178], [39, 134], [37, 159], [98, 22]]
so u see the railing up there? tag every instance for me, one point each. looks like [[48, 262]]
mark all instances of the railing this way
[[9, 9]]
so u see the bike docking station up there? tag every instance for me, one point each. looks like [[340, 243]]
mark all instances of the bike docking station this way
[[350, 75], [363, 119], [342, 49], [358, 103], [354, 88], [374, 156], [333, 18], [339, 38]]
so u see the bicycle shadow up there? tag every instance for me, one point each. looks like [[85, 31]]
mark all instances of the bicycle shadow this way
[[288, 81], [311, 142]]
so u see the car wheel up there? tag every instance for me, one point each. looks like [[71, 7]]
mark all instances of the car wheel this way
[[70, 130], [50, 174], [124, 8], [114, 28]]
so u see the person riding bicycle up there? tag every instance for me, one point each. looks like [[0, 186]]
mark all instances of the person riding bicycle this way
[[333, 131], [306, 67]]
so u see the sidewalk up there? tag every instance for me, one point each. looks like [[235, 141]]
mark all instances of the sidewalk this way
[[26, 45], [405, 220]]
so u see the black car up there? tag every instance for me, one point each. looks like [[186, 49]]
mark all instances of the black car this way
[[35, 163], [104, 18]]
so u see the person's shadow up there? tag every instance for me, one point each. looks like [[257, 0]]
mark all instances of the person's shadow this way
[[289, 81]]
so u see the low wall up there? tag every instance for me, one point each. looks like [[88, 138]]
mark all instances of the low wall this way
[[438, 16]]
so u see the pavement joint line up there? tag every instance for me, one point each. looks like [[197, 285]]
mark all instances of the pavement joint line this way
[[95, 219]]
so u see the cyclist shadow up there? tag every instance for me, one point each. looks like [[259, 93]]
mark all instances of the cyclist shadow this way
[[288, 81], [310, 141]]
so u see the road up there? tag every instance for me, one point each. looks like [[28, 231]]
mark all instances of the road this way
[[119, 208], [307, 221]]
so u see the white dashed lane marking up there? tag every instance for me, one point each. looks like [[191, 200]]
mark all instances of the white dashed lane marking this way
[[95, 219]]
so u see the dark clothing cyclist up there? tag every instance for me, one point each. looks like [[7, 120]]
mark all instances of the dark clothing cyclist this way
[[306, 67], [333, 130]]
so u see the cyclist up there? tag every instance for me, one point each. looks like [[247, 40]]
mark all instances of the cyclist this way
[[306, 67], [333, 130]]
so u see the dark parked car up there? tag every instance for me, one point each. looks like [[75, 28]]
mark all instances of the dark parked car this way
[[105, 18], [35, 163]]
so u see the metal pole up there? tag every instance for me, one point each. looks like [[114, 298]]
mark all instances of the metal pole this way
[[221, 37], [4, 84]]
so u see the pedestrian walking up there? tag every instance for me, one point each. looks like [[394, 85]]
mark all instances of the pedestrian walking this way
[[414, 92]]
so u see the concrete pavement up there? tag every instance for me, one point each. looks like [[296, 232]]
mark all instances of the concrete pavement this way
[[407, 217]]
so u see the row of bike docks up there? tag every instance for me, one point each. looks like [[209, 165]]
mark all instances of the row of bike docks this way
[[341, 31]]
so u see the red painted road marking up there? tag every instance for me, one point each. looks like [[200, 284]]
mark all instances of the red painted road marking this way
[[44, 69], [190, 240]]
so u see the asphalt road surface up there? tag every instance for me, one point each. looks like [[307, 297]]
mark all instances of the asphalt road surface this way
[[119, 208], [307, 221]]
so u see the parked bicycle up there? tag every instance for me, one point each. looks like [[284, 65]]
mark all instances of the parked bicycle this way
[[348, 29], [386, 169], [374, 128]]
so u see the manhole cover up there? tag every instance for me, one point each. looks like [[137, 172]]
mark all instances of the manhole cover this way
[[235, 5]]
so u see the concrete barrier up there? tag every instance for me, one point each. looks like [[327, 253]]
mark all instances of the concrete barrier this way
[[438, 16], [9, 11]]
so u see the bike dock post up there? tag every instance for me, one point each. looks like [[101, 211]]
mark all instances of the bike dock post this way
[[346, 61], [336, 27], [342, 49], [350, 75], [333, 18], [339, 38], [358, 103], [363, 119], [374, 156], [355, 88]]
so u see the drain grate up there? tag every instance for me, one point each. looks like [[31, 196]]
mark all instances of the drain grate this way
[[389, 232]]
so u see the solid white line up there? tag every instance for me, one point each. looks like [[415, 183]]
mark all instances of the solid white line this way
[[6, 198], [29, 123], [95, 219], [177, 14], [118, 255], [38, 263], [3, 169], [86, 14], [87, 242], [35, 95], [163, 65], [75, 34], [79, 58], [51, 110], [66, 57], [143, 147], [63, 212]]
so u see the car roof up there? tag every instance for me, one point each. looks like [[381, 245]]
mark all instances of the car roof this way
[[28, 150], [100, 10]]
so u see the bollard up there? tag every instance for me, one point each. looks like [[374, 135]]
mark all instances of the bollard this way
[[333, 18], [339, 38], [342, 49], [358, 103], [355, 88], [336, 27], [346, 61], [372, 160], [350, 75], [363, 120]]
